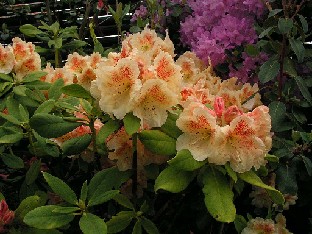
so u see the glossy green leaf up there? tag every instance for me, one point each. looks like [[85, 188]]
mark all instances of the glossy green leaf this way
[[137, 228], [55, 91], [100, 197], [286, 179], [269, 70], [61, 188], [10, 135], [44, 218], [274, 12], [297, 46], [92, 224], [30, 30], [12, 161], [173, 180], [28, 204], [185, 161], [240, 223], [231, 172], [5, 77], [218, 196], [285, 25], [66, 209], [252, 178], [304, 23], [20, 90], [84, 191], [123, 200], [158, 142], [46, 107], [76, 145], [131, 123], [10, 118], [170, 127], [34, 76], [51, 126], [265, 32], [76, 90], [120, 221], [33, 172], [308, 164], [278, 115], [24, 113], [149, 226], [303, 89]]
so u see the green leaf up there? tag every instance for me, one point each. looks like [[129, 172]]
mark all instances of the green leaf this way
[[10, 135], [66, 209], [304, 23], [101, 197], [76, 145], [240, 223], [173, 180], [12, 161], [289, 67], [158, 142], [252, 178], [274, 12], [75, 44], [61, 188], [170, 127], [51, 126], [265, 32], [5, 87], [131, 123], [109, 127], [24, 113], [84, 191], [76, 90], [1, 197], [30, 30], [303, 89], [10, 118], [105, 180], [34, 76], [271, 158], [44, 218], [137, 229], [13, 107], [33, 172], [6, 77], [308, 164], [123, 200], [28, 204], [46, 107], [218, 196], [268, 70], [185, 161], [149, 226], [286, 179], [20, 90], [120, 221], [55, 91], [297, 46], [231, 172], [92, 224], [252, 50], [285, 25], [278, 113]]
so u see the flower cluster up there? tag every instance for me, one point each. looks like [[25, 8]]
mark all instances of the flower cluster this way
[[6, 216], [143, 78], [222, 121], [267, 226], [216, 27], [20, 58]]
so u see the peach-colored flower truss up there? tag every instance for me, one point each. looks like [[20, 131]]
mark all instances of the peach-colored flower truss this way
[[118, 86], [6, 59], [228, 135], [54, 74], [76, 62], [22, 49], [27, 65]]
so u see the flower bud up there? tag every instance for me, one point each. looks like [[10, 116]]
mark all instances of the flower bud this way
[[231, 113], [218, 106]]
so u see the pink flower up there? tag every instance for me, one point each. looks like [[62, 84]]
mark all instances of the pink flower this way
[[6, 215], [100, 5], [218, 106]]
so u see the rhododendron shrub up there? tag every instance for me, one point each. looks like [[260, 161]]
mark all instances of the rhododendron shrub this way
[[129, 141]]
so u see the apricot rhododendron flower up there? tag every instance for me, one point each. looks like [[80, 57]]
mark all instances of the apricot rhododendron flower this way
[[118, 87], [153, 101]]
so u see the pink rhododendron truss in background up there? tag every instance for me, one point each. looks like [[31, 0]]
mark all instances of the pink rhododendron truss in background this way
[[217, 27]]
